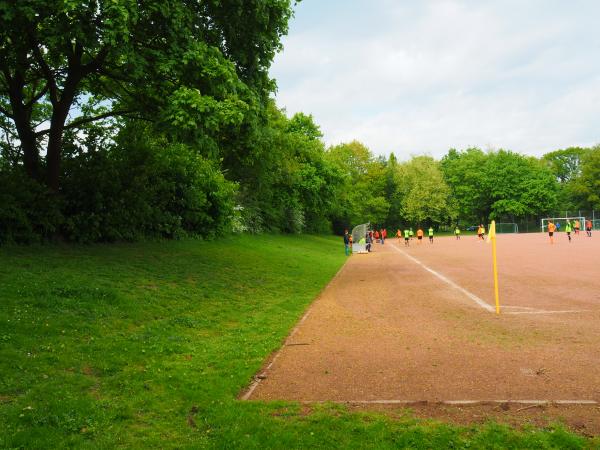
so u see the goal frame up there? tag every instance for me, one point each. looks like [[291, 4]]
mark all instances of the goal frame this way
[[544, 222], [358, 232]]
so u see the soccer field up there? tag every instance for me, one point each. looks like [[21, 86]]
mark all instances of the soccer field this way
[[417, 325]]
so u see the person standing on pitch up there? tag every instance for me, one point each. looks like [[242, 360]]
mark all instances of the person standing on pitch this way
[[406, 237], [568, 229], [399, 235], [457, 233], [588, 227], [347, 242], [419, 236], [577, 226], [376, 235], [481, 232], [411, 233], [551, 230], [430, 232]]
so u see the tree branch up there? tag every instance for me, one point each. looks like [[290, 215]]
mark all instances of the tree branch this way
[[6, 113], [51, 81], [36, 97], [79, 122]]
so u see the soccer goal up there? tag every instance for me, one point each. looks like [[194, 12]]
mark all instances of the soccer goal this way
[[505, 227], [560, 223], [358, 233]]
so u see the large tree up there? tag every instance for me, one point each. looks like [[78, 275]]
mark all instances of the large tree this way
[[423, 194], [199, 65], [496, 184], [585, 188]]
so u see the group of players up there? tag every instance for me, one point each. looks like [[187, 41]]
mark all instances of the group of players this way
[[381, 235], [569, 228], [409, 234]]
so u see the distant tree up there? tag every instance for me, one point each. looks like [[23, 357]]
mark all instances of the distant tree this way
[[501, 183], [362, 195], [517, 185], [565, 164], [424, 195], [586, 187], [464, 173]]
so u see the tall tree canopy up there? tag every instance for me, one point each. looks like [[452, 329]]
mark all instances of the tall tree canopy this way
[[198, 65], [497, 184]]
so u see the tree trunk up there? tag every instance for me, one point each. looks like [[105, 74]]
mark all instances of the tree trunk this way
[[31, 156], [22, 119], [55, 139]]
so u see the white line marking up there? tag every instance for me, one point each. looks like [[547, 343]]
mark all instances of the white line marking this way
[[472, 296], [482, 302], [263, 374], [542, 311], [458, 402], [519, 307]]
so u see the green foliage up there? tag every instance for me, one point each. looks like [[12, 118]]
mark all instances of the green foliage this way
[[144, 186], [196, 67], [362, 195], [29, 212], [423, 194], [498, 184], [463, 171], [517, 185], [585, 188], [565, 164], [287, 184]]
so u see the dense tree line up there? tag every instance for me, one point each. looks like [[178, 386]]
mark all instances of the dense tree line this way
[[123, 120]]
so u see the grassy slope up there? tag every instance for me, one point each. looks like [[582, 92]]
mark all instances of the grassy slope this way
[[149, 344]]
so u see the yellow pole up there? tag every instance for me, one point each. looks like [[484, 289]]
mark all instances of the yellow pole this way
[[495, 263]]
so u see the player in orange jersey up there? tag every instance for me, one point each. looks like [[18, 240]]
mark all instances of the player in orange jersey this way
[[419, 236], [551, 230], [588, 227]]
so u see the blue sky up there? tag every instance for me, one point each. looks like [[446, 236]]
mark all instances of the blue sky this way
[[418, 77]]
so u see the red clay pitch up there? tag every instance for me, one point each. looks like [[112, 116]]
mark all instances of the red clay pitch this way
[[386, 329]]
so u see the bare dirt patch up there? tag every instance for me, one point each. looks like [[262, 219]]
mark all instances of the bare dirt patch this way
[[387, 329]]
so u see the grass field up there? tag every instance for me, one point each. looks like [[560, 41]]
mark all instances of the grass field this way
[[148, 345]]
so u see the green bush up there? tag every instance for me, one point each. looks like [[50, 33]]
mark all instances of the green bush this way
[[29, 212], [145, 188], [139, 187]]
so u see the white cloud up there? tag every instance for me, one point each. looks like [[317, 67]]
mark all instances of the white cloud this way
[[414, 77]]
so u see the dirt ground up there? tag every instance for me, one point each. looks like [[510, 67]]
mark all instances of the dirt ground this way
[[387, 330]]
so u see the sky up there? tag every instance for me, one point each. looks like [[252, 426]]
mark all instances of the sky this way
[[421, 77]]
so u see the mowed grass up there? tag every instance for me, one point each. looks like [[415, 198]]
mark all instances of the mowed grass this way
[[148, 345]]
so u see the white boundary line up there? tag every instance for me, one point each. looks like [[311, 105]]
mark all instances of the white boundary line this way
[[262, 375], [543, 311], [446, 280], [481, 302], [459, 402]]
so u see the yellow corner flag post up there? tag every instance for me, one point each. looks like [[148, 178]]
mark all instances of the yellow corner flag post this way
[[492, 238]]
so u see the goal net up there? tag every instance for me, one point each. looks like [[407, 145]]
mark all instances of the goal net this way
[[560, 223], [505, 227], [359, 233]]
